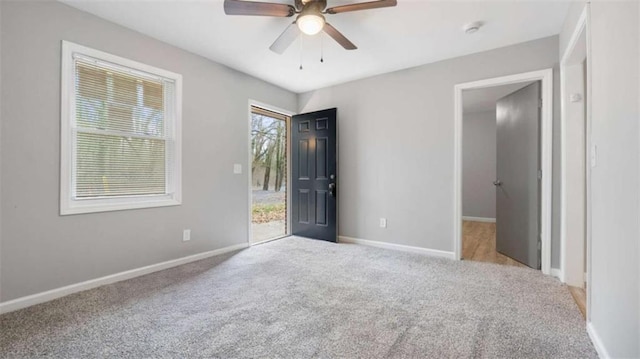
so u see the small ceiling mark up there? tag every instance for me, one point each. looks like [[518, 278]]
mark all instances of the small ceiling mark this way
[[472, 27]]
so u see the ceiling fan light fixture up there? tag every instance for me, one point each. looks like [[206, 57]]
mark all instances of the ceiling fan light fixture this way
[[310, 24], [310, 19]]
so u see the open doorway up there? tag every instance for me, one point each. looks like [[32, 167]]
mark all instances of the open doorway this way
[[500, 167], [489, 191], [269, 135], [535, 93]]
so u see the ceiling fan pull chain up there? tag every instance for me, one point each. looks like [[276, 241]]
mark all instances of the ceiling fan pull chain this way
[[301, 39], [321, 48]]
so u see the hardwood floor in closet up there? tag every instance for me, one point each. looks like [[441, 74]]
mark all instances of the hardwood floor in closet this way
[[479, 244]]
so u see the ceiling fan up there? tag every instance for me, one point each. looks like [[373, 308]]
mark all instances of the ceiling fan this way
[[310, 19]]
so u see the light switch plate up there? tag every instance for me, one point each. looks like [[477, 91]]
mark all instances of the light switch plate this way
[[576, 97], [237, 169], [383, 223]]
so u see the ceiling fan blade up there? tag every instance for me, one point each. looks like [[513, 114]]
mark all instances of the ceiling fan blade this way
[[239, 7], [336, 35], [362, 6], [285, 39]]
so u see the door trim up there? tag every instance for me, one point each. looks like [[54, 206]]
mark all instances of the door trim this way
[[250, 159], [582, 28], [546, 77]]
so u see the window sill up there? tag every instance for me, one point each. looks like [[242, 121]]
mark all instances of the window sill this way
[[120, 204]]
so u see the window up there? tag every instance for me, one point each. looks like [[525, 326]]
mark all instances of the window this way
[[120, 133]]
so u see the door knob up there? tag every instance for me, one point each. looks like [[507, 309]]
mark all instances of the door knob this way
[[332, 189], [497, 183]]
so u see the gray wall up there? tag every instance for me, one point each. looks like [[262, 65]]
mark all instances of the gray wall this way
[[615, 189], [41, 250], [479, 164], [396, 144], [0, 153]]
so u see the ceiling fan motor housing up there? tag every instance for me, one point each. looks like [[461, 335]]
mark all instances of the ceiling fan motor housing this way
[[305, 2], [313, 7]]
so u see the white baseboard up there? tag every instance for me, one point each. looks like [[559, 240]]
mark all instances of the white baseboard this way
[[557, 273], [38, 298], [479, 219], [398, 247], [597, 342]]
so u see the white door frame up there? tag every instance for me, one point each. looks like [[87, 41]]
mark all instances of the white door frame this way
[[250, 160], [574, 47], [546, 77]]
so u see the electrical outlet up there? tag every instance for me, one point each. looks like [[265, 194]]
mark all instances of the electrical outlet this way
[[237, 168], [186, 235], [383, 223]]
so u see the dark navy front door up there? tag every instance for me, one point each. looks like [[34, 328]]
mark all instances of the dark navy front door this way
[[314, 175]]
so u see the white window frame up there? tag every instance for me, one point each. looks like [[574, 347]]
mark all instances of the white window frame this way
[[70, 205]]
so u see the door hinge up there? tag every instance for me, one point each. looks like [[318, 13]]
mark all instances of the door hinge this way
[[539, 266], [539, 174], [540, 103]]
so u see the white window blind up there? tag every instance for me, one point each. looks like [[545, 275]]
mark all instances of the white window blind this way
[[122, 132]]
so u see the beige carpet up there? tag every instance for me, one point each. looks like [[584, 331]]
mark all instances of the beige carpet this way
[[299, 298]]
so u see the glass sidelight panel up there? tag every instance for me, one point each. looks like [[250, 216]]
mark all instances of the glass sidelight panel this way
[[269, 174]]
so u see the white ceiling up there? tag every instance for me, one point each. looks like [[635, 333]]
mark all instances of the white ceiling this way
[[485, 99], [415, 32]]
